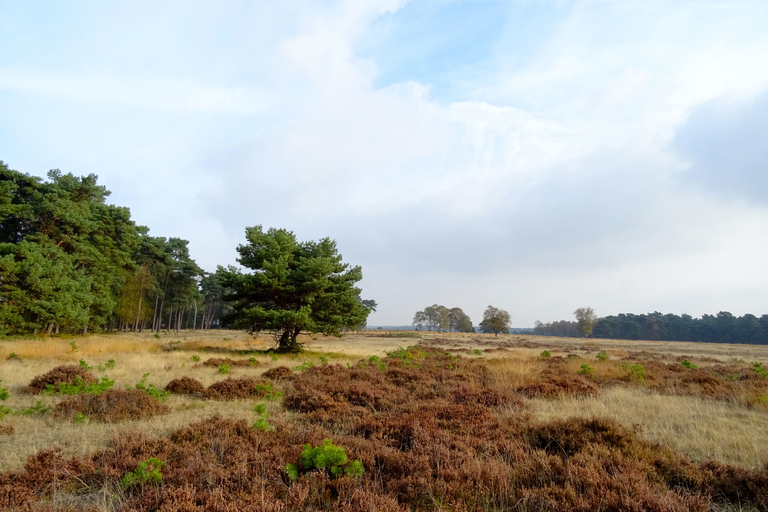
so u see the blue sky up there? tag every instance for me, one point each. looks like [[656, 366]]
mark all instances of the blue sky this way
[[534, 155]]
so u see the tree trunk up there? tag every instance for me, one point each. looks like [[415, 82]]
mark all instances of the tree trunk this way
[[154, 313], [194, 320], [162, 302]]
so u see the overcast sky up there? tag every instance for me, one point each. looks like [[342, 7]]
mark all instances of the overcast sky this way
[[534, 155]]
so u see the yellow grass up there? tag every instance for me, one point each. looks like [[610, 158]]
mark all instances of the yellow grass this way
[[698, 428]]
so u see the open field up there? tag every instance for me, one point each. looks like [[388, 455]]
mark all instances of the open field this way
[[464, 420]]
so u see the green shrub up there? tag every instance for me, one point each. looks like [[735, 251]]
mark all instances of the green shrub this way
[[323, 359], [330, 458], [73, 345], [292, 472], [106, 366], [267, 391], [38, 408], [262, 423], [602, 356], [306, 365], [759, 369], [260, 408], [585, 369], [4, 410], [85, 365], [476, 352], [146, 473], [733, 377], [150, 389], [157, 336], [636, 371], [195, 358], [4, 392], [80, 386], [12, 356], [687, 364], [252, 361], [546, 353], [224, 368], [80, 418]]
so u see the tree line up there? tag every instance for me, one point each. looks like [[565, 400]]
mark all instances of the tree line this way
[[70, 262], [439, 318], [721, 328]]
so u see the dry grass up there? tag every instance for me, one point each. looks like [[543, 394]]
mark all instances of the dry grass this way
[[701, 429], [698, 427]]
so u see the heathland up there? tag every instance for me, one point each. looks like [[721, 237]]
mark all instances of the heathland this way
[[377, 420]]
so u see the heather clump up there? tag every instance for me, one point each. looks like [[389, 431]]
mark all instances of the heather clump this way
[[245, 387], [68, 375], [217, 362], [184, 386], [111, 406], [278, 373]]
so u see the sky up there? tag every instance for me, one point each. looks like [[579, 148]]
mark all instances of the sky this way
[[538, 156]]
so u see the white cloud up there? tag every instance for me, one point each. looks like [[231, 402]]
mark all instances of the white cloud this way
[[161, 94], [539, 184]]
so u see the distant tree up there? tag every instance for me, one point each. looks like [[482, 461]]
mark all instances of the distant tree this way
[[495, 320], [435, 317], [419, 319], [459, 321], [295, 287], [585, 321]]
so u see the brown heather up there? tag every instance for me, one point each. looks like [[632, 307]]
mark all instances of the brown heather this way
[[111, 406], [278, 373], [64, 374], [233, 389], [218, 361], [434, 431], [185, 386]]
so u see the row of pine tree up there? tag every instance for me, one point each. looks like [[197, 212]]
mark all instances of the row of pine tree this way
[[70, 262]]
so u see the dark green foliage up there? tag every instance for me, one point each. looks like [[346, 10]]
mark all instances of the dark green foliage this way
[[602, 356], [495, 320], [63, 251], [721, 328], [295, 287], [4, 393], [71, 262]]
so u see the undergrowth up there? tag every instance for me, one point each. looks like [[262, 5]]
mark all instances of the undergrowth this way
[[427, 431]]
